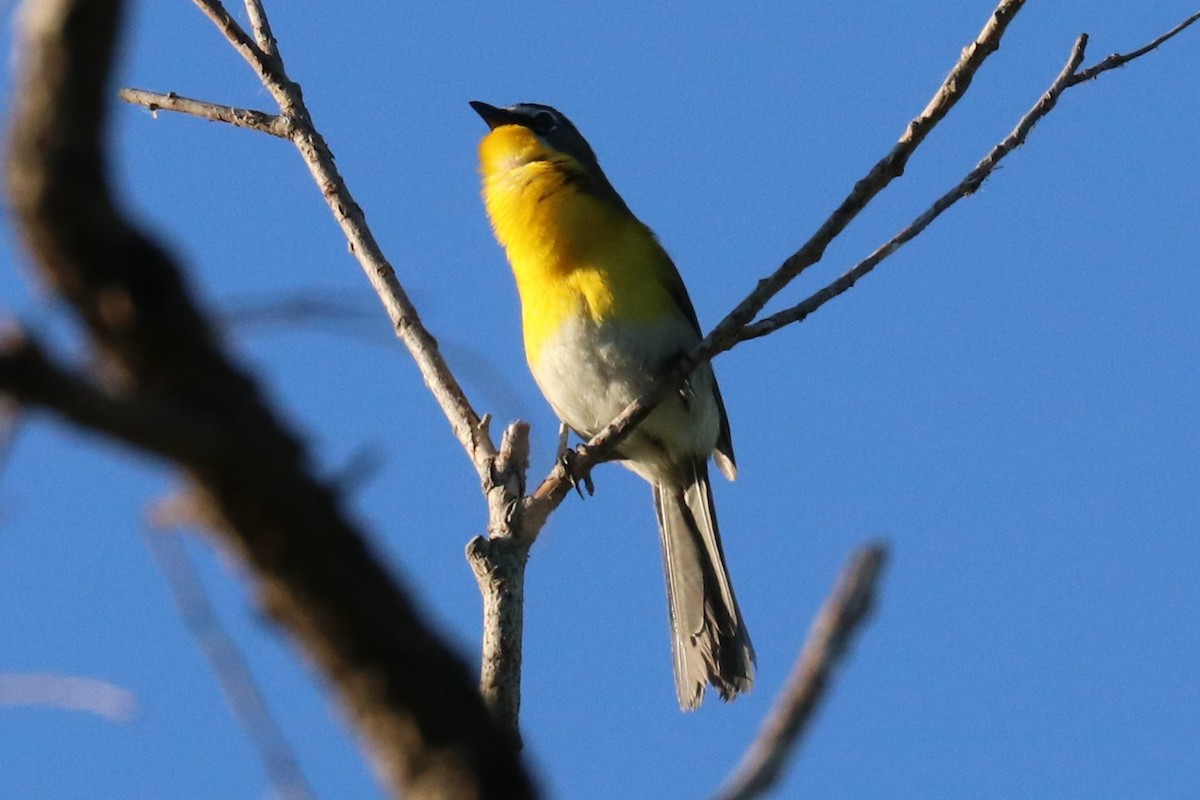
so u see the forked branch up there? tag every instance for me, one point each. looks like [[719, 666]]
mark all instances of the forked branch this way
[[556, 486], [515, 520], [1070, 76], [261, 52], [315, 573], [737, 326]]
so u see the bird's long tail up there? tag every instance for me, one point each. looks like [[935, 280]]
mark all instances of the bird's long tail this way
[[708, 637]]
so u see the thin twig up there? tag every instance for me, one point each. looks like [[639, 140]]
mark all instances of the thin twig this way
[[262, 28], [250, 118], [68, 693], [263, 65], [1118, 60], [965, 187], [840, 617], [464, 421], [1068, 77], [557, 484], [228, 664]]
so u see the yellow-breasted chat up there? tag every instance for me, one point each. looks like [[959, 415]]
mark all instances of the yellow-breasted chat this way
[[604, 311]]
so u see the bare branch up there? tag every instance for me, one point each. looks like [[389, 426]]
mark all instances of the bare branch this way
[[30, 378], [842, 614], [255, 56], [238, 117], [228, 665], [68, 693], [262, 28], [725, 335], [1117, 60], [504, 559], [965, 187], [737, 327], [1069, 76], [421, 344], [499, 566], [410, 695]]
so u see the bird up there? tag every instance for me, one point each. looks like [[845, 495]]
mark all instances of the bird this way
[[604, 312]]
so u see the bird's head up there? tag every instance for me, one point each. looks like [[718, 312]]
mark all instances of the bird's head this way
[[528, 132]]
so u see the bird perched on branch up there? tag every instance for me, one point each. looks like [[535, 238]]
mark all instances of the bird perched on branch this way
[[604, 313]]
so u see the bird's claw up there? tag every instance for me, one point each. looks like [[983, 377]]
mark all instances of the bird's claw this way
[[578, 482]]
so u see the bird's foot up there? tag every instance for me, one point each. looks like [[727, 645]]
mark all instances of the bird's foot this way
[[579, 482]]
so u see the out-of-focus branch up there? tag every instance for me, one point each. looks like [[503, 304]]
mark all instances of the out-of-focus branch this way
[[840, 617], [68, 693], [408, 693], [558, 483], [9, 414], [228, 665], [29, 378]]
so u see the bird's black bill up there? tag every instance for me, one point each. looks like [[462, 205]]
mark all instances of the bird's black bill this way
[[495, 117]]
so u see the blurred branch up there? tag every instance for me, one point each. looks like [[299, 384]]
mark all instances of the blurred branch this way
[[301, 308], [840, 617], [408, 693], [29, 378], [68, 693], [230, 668], [9, 415]]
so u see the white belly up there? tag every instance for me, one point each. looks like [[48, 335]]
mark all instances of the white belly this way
[[589, 373]]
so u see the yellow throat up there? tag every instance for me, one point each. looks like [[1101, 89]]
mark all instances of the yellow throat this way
[[575, 250]]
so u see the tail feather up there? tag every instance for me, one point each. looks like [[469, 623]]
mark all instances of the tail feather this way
[[708, 638]]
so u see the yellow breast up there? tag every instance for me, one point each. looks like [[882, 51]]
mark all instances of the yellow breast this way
[[574, 251]]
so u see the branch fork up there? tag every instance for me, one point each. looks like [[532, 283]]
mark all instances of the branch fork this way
[[168, 348]]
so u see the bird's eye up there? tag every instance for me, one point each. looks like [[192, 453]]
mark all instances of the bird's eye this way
[[545, 121]]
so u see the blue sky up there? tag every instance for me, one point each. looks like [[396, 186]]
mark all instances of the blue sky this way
[[1010, 400]]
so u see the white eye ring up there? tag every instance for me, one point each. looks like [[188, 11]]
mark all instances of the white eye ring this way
[[545, 120]]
